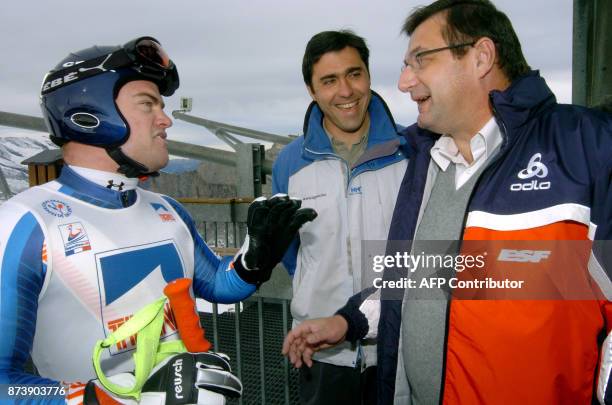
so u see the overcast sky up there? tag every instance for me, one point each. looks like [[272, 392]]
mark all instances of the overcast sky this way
[[240, 61]]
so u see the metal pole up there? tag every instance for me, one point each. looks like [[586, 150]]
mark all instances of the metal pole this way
[[238, 351], [601, 83], [262, 368], [592, 53], [215, 314], [580, 50], [227, 138], [213, 125], [23, 121], [285, 309], [250, 169]]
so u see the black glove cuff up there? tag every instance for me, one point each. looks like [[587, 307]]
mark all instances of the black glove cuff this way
[[90, 397], [256, 277], [356, 320]]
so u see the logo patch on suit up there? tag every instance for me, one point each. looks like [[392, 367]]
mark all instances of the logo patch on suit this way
[[355, 190], [132, 277], [535, 168], [57, 208], [75, 238], [163, 212]]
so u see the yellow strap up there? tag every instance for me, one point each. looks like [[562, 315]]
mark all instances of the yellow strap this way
[[146, 324]]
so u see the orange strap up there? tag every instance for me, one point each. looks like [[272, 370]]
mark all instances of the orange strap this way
[[187, 319]]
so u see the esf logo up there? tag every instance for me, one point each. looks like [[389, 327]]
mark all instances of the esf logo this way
[[535, 168], [523, 256]]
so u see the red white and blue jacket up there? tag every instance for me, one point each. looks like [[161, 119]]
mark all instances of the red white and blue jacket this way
[[519, 351]]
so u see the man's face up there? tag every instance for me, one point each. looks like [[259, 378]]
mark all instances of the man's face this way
[[341, 88], [441, 85], [143, 108]]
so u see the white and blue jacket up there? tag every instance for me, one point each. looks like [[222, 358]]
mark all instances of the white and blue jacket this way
[[353, 204]]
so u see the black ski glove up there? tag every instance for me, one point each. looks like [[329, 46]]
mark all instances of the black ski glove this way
[[271, 227]]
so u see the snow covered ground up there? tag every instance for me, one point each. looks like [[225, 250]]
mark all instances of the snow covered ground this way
[[16, 146]]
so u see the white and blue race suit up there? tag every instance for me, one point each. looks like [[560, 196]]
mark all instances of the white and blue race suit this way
[[78, 259]]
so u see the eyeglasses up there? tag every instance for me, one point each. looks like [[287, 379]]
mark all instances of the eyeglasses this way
[[415, 62]]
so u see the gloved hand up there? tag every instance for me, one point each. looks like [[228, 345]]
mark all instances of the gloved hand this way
[[271, 227], [186, 378]]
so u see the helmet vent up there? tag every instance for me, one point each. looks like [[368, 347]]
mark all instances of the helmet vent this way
[[85, 120]]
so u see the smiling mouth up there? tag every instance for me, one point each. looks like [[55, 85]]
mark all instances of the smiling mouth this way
[[422, 99], [347, 105], [421, 102]]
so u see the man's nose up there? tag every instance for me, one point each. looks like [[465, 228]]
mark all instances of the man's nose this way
[[164, 120], [345, 89], [407, 80]]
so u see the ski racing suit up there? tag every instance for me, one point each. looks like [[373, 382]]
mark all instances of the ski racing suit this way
[[78, 259]]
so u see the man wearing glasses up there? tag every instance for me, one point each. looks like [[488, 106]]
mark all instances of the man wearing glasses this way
[[510, 164], [81, 255]]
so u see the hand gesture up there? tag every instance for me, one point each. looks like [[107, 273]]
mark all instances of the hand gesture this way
[[311, 336]]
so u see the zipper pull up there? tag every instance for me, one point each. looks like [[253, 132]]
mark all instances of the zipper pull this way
[[124, 198]]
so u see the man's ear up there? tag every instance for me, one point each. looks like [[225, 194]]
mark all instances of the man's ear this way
[[486, 55], [311, 91]]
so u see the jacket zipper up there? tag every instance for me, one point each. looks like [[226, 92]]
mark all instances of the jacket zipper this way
[[504, 133]]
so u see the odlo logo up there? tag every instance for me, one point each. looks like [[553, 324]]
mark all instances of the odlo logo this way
[[535, 168]]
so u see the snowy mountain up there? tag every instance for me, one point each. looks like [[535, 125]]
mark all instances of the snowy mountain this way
[[15, 147]]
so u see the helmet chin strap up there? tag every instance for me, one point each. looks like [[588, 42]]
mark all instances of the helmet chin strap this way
[[128, 166]]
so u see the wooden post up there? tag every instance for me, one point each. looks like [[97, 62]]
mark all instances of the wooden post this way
[[44, 167]]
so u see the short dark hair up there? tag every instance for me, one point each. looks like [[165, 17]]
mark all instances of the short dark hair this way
[[470, 20], [331, 41]]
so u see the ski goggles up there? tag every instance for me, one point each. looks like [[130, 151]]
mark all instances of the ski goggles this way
[[143, 55]]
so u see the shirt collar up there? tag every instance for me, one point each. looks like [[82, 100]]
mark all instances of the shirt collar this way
[[112, 181], [340, 145], [92, 187], [445, 151]]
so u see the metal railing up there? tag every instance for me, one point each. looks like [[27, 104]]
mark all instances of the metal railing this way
[[250, 332]]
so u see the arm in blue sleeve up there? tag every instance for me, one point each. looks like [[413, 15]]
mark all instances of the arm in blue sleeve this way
[[356, 320], [214, 278], [22, 274], [290, 258], [280, 181]]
